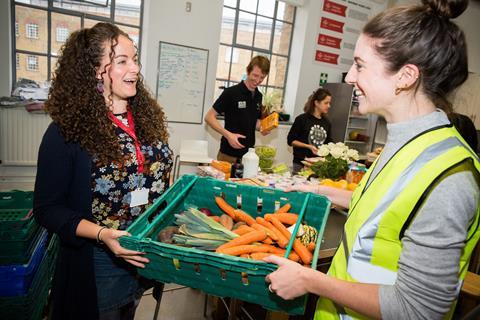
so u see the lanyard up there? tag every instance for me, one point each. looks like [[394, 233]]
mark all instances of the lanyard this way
[[130, 130]]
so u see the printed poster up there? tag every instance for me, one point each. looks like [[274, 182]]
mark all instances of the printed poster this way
[[339, 27]]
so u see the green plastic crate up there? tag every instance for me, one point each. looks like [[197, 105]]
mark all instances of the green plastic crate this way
[[31, 305], [218, 274], [18, 229]]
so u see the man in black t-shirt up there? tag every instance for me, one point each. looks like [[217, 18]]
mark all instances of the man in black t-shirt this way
[[241, 105]]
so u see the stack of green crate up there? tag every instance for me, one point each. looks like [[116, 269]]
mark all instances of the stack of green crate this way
[[20, 235]]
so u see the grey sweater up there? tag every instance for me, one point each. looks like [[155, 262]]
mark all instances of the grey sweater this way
[[427, 279]]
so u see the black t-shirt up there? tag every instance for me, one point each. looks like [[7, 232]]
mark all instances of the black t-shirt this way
[[310, 130], [241, 108]]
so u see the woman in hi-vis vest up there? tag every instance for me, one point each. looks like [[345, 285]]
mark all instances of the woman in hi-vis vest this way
[[413, 220]]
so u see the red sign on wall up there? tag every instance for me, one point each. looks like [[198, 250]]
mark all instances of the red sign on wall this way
[[331, 24], [329, 41], [326, 57], [335, 8]]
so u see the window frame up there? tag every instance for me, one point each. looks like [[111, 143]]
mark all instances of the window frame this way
[[31, 31], [35, 65], [266, 86], [61, 34], [50, 9]]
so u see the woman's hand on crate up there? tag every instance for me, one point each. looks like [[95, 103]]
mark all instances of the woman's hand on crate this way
[[110, 238], [281, 280]]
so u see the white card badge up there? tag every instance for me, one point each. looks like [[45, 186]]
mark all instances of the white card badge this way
[[242, 104], [138, 197]]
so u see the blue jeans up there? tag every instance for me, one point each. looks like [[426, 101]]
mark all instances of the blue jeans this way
[[119, 287]]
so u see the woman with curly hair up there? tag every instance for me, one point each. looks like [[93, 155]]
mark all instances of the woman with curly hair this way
[[102, 160]]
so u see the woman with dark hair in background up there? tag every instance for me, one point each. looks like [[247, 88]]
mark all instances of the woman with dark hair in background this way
[[310, 129], [103, 159], [413, 220]]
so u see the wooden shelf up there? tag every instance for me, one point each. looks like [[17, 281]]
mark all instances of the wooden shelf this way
[[358, 116]]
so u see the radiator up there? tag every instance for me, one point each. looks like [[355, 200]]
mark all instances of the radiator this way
[[20, 135]]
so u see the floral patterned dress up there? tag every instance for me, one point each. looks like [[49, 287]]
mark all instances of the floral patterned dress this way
[[112, 184]]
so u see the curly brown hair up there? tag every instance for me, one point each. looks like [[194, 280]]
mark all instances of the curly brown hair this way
[[79, 109]]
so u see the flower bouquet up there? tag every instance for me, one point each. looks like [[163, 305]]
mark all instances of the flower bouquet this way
[[334, 160]]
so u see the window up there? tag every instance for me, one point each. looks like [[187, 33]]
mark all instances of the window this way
[[32, 31], [231, 56], [250, 28], [32, 63], [48, 24], [17, 61], [62, 34]]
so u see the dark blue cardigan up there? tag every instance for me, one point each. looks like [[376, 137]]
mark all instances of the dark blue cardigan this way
[[62, 198]]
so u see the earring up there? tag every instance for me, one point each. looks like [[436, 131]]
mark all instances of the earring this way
[[100, 87], [398, 90]]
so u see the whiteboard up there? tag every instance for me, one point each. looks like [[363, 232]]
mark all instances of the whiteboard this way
[[181, 82]]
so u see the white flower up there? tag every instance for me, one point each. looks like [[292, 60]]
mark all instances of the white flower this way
[[323, 151], [336, 152], [353, 154], [341, 145]]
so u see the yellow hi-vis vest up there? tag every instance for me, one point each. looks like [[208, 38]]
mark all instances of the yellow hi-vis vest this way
[[379, 214]]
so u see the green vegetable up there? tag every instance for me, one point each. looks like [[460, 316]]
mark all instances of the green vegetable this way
[[280, 168], [331, 168], [265, 151], [265, 163]]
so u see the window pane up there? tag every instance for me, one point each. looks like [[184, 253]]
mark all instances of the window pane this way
[[32, 24], [62, 26], [230, 3], [249, 5], [285, 12], [263, 33], [246, 22], [89, 23], [282, 36], [228, 23], [223, 65], [93, 7], [278, 69], [266, 7], [133, 33], [219, 87], [53, 65], [40, 3], [128, 11], [239, 70], [32, 67]]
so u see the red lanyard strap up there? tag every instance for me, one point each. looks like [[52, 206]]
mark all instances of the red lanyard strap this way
[[130, 130]]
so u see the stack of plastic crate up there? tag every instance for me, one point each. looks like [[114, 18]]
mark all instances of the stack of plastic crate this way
[[26, 259]]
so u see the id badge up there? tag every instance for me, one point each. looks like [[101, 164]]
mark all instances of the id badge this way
[[138, 197], [242, 104]]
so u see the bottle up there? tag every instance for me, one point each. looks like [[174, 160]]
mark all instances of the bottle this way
[[250, 163], [236, 170]]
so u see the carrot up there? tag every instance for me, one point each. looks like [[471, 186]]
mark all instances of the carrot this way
[[260, 255], [258, 226], [268, 240], [282, 239], [245, 255], [222, 204], [311, 246], [261, 221], [243, 248], [287, 218], [284, 209], [247, 238], [299, 248], [243, 230], [243, 216]]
